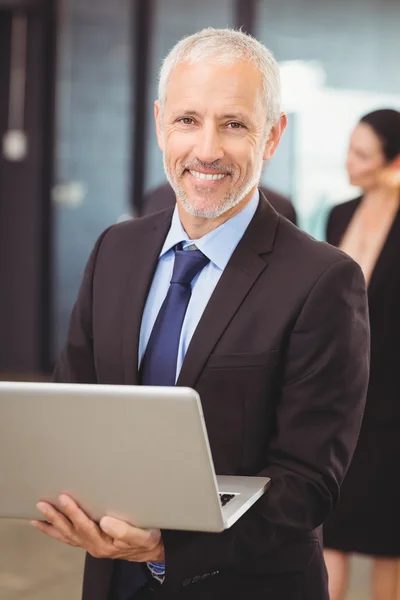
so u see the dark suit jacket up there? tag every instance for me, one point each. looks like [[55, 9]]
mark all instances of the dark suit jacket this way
[[384, 310], [163, 197], [280, 360]]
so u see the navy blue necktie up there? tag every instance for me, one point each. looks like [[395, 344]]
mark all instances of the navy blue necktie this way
[[158, 367], [160, 358]]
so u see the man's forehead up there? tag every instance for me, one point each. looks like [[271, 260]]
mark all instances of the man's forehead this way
[[235, 87], [239, 75]]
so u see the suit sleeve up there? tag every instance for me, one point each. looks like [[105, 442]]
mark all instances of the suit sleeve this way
[[76, 363], [318, 416]]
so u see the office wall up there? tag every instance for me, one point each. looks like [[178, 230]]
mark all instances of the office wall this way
[[94, 112], [339, 60]]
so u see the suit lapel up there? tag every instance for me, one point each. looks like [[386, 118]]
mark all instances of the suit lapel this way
[[146, 251], [244, 268]]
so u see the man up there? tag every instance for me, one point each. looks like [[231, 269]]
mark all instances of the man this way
[[270, 327], [163, 196]]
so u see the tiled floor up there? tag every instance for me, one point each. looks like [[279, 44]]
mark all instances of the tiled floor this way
[[33, 567]]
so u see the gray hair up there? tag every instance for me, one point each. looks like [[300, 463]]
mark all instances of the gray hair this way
[[226, 46]]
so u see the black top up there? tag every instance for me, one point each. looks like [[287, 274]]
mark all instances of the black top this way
[[384, 308]]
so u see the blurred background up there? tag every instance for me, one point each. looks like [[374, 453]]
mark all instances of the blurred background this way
[[78, 152]]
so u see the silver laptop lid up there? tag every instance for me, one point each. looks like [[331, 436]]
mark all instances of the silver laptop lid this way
[[137, 453]]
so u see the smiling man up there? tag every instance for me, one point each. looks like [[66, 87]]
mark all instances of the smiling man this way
[[215, 144], [223, 295]]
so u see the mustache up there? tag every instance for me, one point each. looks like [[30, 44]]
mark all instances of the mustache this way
[[215, 166]]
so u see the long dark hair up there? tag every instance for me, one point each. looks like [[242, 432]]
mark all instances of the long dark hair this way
[[386, 124]]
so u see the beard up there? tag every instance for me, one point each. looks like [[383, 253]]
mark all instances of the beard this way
[[212, 208]]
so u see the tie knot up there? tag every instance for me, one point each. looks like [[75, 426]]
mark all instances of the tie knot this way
[[188, 263]]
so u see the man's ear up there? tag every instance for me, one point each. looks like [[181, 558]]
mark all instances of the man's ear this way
[[274, 137], [159, 125]]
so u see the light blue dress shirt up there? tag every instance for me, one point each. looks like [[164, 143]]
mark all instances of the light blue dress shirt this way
[[218, 246]]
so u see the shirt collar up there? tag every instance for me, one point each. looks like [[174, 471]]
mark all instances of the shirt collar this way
[[219, 244]]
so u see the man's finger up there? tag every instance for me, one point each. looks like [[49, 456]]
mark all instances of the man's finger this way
[[71, 510], [80, 521], [116, 529], [132, 536], [85, 528], [50, 531], [121, 545], [56, 519]]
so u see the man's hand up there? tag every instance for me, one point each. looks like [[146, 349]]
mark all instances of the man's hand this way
[[112, 539]]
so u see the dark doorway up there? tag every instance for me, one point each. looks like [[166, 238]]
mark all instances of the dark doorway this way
[[24, 193]]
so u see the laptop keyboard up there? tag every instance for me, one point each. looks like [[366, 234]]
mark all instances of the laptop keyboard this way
[[225, 498]]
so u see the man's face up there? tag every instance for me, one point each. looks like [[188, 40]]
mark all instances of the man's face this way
[[212, 132]]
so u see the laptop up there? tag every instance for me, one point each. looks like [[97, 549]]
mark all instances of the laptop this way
[[136, 453]]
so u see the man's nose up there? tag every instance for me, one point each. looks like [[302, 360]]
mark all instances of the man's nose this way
[[209, 147]]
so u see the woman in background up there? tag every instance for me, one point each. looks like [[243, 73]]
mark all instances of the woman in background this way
[[367, 518]]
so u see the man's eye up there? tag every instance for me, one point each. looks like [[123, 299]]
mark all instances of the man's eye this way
[[186, 121], [235, 125]]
